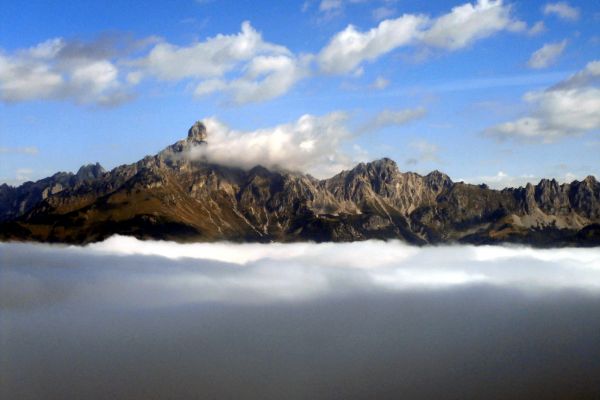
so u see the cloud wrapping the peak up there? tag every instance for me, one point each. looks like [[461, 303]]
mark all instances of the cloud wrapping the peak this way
[[569, 108], [311, 144]]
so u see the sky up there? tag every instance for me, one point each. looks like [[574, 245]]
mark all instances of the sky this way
[[502, 92]]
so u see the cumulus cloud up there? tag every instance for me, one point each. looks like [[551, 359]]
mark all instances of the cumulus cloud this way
[[241, 67], [571, 107], [315, 144], [470, 22], [546, 55], [350, 47], [265, 77], [207, 59], [61, 70], [387, 118], [256, 69], [459, 28], [563, 10]]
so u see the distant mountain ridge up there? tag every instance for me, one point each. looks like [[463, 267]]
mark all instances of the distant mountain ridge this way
[[171, 196]]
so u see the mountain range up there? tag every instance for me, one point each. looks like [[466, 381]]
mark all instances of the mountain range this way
[[177, 197]]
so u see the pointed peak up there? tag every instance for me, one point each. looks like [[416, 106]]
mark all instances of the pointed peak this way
[[382, 163], [90, 171], [438, 180], [197, 133], [438, 176]]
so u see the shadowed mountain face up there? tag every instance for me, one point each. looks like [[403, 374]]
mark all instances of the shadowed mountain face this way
[[178, 195]]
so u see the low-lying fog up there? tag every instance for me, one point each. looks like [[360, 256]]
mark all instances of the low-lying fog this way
[[126, 319]]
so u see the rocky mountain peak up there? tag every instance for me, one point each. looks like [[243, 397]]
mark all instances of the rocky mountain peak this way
[[90, 172], [438, 181], [197, 133], [383, 168]]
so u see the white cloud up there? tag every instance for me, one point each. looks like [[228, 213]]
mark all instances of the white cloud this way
[[388, 118], [266, 77], [350, 47], [312, 270], [572, 107], [380, 83], [589, 76], [423, 151], [382, 12], [537, 28], [563, 10], [256, 70], [23, 174], [332, 8], [19, 150], [462, 26], [61, 70], [470, 22], [546, 55], [330, 5], [208, 59], [312, 144]]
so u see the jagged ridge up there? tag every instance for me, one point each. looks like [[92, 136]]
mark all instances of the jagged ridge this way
[[171, 196]]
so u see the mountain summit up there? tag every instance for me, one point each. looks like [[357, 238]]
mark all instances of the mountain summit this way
[[171, 196], [197, 133]]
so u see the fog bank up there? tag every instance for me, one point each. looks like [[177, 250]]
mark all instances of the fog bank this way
[[143, 320]]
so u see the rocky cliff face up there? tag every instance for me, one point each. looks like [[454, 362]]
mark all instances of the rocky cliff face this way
[[172, 196]]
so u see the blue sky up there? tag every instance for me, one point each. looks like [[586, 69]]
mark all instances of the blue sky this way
[[489, 90]]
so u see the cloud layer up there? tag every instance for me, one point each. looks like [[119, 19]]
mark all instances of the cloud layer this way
[[317, 145], [252, 321], [272, 272]]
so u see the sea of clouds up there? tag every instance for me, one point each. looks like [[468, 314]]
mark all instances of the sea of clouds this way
[[153, 319]]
